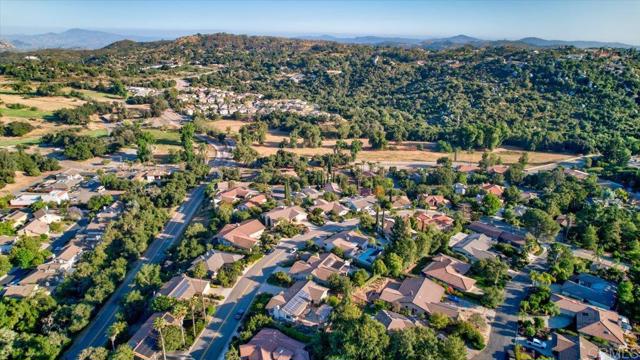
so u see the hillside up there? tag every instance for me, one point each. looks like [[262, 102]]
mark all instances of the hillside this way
[[70, 39], [564, 99]]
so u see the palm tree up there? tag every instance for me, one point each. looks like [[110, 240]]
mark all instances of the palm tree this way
[[114, 330], [179, 311], [159, 324], [193, 302], [204, 310]]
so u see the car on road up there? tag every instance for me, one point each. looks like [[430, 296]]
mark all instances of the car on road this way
[[239, 314], [293, 250], [537, 343]]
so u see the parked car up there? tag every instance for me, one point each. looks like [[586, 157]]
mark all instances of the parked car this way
[[239, 314], [537, 343]]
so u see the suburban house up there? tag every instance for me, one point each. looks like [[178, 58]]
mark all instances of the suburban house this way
[[591, 290], [214, 260], [17, 218], [498, 169], [55, 196], [362, 203], [293, 214], [226, 185], [496, 190], [47, 216], [591, 320], [333, 188], [235, 194], [394, 321], [430, 218], [460, 188], [309, 192], [320, 267], [330, 206], [499, 231], [400, 202], [474, 246], [418, 295], [252, 202], [35, 228], [145, 342], [349, 241], [45, 275], [434, 201], [468, 168], [25, 200], [568, 347], [68, 257], [244, 235], [301, 304], [20, 291], [271, 344], [182, 287], [451, 272]]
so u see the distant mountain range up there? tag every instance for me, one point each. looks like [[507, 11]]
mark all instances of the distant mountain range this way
[[70, 39], [464, 40], [90, 39]]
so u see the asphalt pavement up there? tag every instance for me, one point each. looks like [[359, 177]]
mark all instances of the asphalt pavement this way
[[95, 334]]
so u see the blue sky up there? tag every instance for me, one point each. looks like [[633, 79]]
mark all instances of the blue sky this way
[[561, 19]]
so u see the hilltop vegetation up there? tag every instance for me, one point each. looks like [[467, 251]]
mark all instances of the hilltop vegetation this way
[[556, 100]]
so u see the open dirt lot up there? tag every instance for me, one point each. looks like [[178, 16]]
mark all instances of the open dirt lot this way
[[404, 152], [47, 103]]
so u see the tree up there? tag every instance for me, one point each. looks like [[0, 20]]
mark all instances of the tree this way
[[540, 224], [379, 268], [93, 353], [357, 336], [159, 324], [491, 204], [360, 277], [493, 296], [5, 265], [123, 352], [187, 134], [439, 321], [199, 271], [454, 348], [378, 140], [179, 312], [115, 330], [148, 277], [394, 264]]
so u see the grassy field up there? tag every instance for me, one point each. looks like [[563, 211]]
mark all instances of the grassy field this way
[[406, 151], [165, 137], [45, 103], [26, 113]]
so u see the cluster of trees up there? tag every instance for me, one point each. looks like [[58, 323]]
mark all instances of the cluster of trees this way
[[81, 114], [30, 164], [15, 128]]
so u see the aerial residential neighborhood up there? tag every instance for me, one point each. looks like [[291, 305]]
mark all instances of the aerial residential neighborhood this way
[[171, 192]]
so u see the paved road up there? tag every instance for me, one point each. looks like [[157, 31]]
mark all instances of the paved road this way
[[95, 334], [504, 328], [213, 342]]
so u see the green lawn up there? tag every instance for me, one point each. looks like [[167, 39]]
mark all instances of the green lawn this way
[[165, 137], [24, 113]]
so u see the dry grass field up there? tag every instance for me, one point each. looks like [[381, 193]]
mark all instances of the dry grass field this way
[[396, 153], [47, 103]]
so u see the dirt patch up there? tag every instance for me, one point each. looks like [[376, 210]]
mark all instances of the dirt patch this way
[[46, 103]]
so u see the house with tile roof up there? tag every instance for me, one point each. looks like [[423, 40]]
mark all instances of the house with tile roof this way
[[434, 201], [417, 295], [431, 218], [568, 347], [244, 235], [182, 287], [214, 260], [320, 267], [394, 321], [474, 246], [450, 271], [301, 304], [330, 206], [294, 214], [271, 344]]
